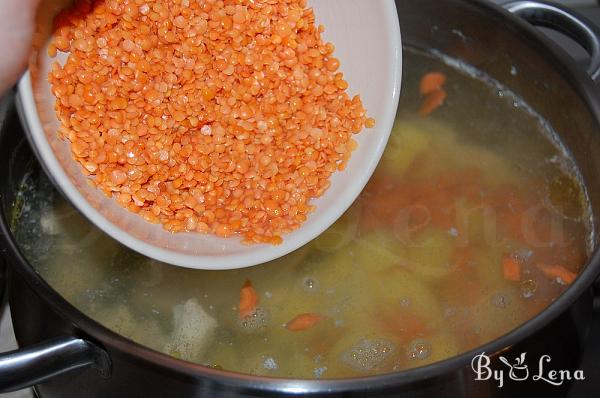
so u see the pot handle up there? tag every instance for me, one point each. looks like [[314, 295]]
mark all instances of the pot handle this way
[[41, 362], [565, 21]]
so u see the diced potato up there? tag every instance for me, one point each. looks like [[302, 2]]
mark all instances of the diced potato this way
[[430, 254], [285, 303], [406, 143], [377, 250], [289, 301], [339, 289], [221, 289], [399, 288], [497, 170]]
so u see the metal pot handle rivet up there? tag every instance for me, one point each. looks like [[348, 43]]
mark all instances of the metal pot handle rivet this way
[[565, 21]]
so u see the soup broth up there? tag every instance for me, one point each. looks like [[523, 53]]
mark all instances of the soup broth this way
[[474, 222]]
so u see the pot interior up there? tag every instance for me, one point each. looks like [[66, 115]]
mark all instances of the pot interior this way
[[525, 61], [451, 246]]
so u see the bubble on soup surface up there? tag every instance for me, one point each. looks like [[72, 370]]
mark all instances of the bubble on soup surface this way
[[419, 349], [318, 372], [270, 364], [528, 288], [368, 354], [405, 302], [310, 284], [261, 363], [500, 300], [256, 321]]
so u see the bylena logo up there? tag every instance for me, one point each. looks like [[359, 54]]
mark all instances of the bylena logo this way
[[518, 370]]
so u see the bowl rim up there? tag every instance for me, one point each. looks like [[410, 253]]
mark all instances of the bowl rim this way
[[256, 254]]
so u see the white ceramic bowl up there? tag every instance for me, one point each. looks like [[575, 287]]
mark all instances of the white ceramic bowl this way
[[367, 39]]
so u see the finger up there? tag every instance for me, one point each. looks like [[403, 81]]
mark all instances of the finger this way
[[16, 32]]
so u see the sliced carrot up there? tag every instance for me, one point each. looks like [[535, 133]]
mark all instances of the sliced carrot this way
[[432, 82], [433, 101], [511, 268], [558, 272], [303, 322], [248, 300]]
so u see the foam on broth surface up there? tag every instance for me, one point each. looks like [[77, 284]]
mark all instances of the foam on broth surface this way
[[412, 274]]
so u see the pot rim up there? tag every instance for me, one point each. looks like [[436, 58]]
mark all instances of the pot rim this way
[[110, 339]]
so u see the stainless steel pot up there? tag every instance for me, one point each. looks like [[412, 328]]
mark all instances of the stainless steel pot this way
[[69, 355]]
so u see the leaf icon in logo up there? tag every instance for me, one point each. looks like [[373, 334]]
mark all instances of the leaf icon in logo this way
[[519, 371]]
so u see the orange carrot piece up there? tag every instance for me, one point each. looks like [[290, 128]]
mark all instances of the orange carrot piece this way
[[248, 300], [558, 272], [511, 268], [432, 82], [303, 322], [433, 101]]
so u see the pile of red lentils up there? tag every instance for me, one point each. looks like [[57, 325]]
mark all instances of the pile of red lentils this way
[[217, 116]]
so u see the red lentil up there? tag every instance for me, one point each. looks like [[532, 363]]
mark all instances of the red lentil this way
[[220, 116]]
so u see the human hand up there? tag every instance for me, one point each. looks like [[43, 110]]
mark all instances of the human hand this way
[[16, 33]]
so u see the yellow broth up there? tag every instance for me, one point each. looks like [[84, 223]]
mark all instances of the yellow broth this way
[[412, 274]]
